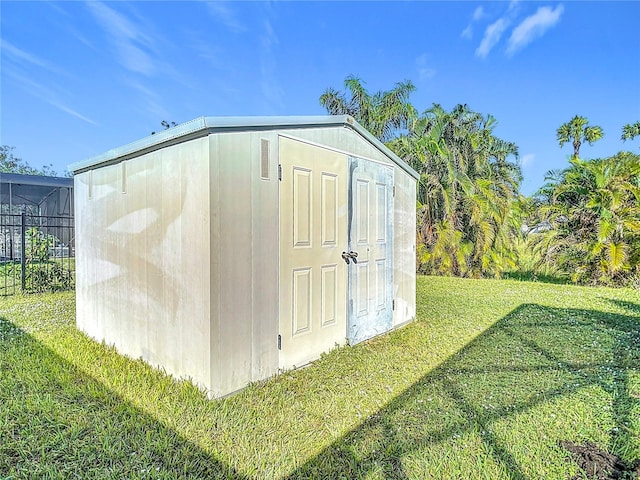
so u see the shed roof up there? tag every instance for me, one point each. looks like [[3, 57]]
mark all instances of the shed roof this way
[[206, 125]]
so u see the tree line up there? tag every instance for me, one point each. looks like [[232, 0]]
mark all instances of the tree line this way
[[583, 224], [10, 163]]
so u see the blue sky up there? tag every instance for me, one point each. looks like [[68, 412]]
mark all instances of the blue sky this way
[[80, 78]]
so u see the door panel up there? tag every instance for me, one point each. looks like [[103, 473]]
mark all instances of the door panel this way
[[362, 211], [329, 210], [313, 235], [371, 278], [361, 287], [301, 301], [381, 212], [329, 295], [301, 207]]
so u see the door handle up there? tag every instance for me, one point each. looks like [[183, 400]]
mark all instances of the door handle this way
[[347, 256]]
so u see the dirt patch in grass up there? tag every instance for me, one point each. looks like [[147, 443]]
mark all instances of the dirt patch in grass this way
[[599, 464]]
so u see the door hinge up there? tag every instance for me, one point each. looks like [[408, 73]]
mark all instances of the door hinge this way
[[393, 304], [279, 171], [394, 190], [279, 342]]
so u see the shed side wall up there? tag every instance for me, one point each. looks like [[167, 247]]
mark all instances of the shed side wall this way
[[244, 240], [404, 248], [143, 257]]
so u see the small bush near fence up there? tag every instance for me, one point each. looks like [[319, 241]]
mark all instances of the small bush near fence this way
[[47, 264], [43, 275]]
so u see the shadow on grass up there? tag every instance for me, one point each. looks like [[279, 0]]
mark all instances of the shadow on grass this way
[[531, 357], [538, 277], [58, 422], [632, 308]]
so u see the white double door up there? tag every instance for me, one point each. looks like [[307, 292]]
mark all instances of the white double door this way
[[336, 268]]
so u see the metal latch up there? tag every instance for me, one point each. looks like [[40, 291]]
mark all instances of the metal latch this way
[[350, 255]]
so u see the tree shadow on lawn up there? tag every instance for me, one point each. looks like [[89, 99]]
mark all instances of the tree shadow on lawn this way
[[538, 277], [535, 358], [58, 422]]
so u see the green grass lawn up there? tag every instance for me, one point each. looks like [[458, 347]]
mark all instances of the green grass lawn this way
[[484, 385]]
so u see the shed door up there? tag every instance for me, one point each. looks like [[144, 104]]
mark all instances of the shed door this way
[[313, 233], [371, 238]]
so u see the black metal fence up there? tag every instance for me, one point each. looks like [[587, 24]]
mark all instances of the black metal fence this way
[[37, 253]]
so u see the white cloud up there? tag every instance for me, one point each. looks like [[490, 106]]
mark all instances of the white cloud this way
[[424, 70], [208, 50], [20, 56], [527, 160], [269, 85], [532, 27], [48, 95], [426, 73], [478, 14], [221, 12], [81, 37], [513, 5], [66, 21], [152, 102], [130, 40], [58, 9], [70, 111], [492, 36], [269, 37]]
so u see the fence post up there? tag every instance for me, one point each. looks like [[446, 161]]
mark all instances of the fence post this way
[[23, 246]]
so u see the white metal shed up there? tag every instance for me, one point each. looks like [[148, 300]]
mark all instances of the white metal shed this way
[[225, 249]]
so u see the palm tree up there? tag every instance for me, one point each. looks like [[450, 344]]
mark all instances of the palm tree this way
[[593, 207], [576, 131], [630, 131], [468, 187], [384, 113], [466, 191]]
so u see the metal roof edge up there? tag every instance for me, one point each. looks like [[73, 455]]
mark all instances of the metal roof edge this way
[[205, 125], [267, 122], [151, 142], [36, 180]]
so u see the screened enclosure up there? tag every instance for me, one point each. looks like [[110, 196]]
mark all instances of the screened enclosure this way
[[37, 244], [36, 195]]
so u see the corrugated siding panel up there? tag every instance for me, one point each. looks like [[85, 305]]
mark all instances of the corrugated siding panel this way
[[86, 314], [244, 242], [264, 257], [234, 153]]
